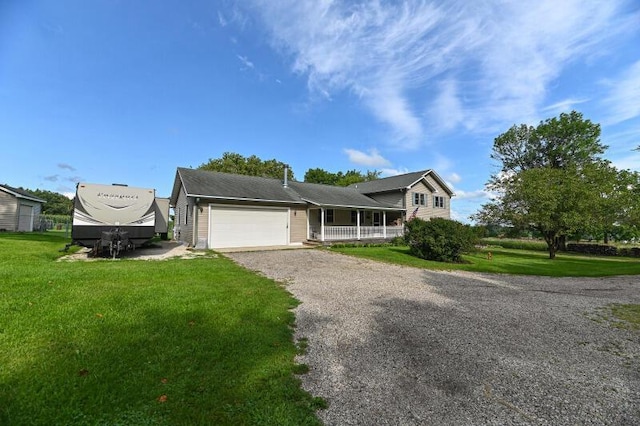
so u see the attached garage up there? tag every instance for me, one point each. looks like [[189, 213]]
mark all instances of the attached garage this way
[[244, 226]]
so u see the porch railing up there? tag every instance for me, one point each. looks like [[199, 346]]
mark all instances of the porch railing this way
[[333, 233]]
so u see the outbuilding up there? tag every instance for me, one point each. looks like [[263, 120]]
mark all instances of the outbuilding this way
[[19, 209]]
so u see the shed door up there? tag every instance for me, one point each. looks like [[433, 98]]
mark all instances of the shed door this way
[[237, 226], [25, 219]]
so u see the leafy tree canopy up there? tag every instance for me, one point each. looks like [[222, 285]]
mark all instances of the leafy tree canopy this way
[[555, 143], [56, 203], [339, 179], [554, 180], [231, 162]]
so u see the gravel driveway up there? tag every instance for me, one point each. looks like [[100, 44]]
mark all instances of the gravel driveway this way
[[404, 346]]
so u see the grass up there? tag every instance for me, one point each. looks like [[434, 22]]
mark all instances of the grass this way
[[126, 342], [507, 261], [628, 314]]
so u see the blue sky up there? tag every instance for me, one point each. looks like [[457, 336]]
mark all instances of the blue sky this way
[[126, 91]]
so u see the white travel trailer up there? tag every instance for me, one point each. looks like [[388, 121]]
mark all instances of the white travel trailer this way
[[114, 218]]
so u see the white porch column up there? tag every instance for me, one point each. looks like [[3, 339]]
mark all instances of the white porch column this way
[[384, 224], [322, 224], [308, 226], [358, 224]]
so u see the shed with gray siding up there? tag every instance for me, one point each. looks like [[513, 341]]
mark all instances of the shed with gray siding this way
[[19, 209]]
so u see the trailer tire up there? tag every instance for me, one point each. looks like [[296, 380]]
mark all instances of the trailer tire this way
[[164, 236]]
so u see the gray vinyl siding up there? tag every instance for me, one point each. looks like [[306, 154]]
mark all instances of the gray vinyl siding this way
[[437, 211], [183, 226], [297, 224], [428, 211], [8, 211]]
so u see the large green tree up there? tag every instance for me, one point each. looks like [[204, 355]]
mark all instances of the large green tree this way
[[555, 202], [552, 178], [339, 179], [56, 203], [231, 162], [556, 142]]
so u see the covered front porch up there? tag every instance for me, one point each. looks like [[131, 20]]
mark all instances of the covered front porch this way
[[344, 224]]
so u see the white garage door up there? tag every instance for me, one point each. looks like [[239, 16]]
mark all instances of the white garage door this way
[[234, 226]]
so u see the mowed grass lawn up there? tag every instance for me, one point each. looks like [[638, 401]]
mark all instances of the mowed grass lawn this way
[[508, 261], [126, 342]]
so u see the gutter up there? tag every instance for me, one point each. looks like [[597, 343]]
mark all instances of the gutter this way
[[244, 199]]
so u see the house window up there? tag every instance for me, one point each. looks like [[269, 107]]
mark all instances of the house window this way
[[328, 216], [438, 201], [354, 216], [419, 199]]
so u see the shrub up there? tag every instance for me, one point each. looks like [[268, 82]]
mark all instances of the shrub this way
[[439, 239]]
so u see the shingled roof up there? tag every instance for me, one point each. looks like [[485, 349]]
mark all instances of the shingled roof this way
[[336, 196], [206, 184], [227, 186], [398, 182], [21, 193]]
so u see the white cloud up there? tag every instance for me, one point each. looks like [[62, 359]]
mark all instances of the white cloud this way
[[473, 195], [566, 105], [447, 111], [454, 178], [624, 98], [372, 159], [394, 172], [480, 64], [245, 61], [221, 19]]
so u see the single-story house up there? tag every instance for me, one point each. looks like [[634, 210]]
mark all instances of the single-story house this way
[[19, 209], [222, 210]]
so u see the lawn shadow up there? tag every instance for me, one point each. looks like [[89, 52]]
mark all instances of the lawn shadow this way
[[162, 367]]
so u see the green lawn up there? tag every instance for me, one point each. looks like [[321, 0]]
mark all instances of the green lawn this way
[[126, 342], [508, 261]]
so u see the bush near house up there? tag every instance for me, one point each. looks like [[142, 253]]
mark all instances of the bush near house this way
[[439, 239]]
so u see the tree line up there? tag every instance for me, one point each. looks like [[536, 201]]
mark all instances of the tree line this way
[[231, 162]]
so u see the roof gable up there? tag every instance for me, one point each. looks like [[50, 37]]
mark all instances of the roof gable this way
[[400, 182], [21, 193]]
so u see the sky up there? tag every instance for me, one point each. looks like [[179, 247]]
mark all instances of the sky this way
[[110, 91]]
